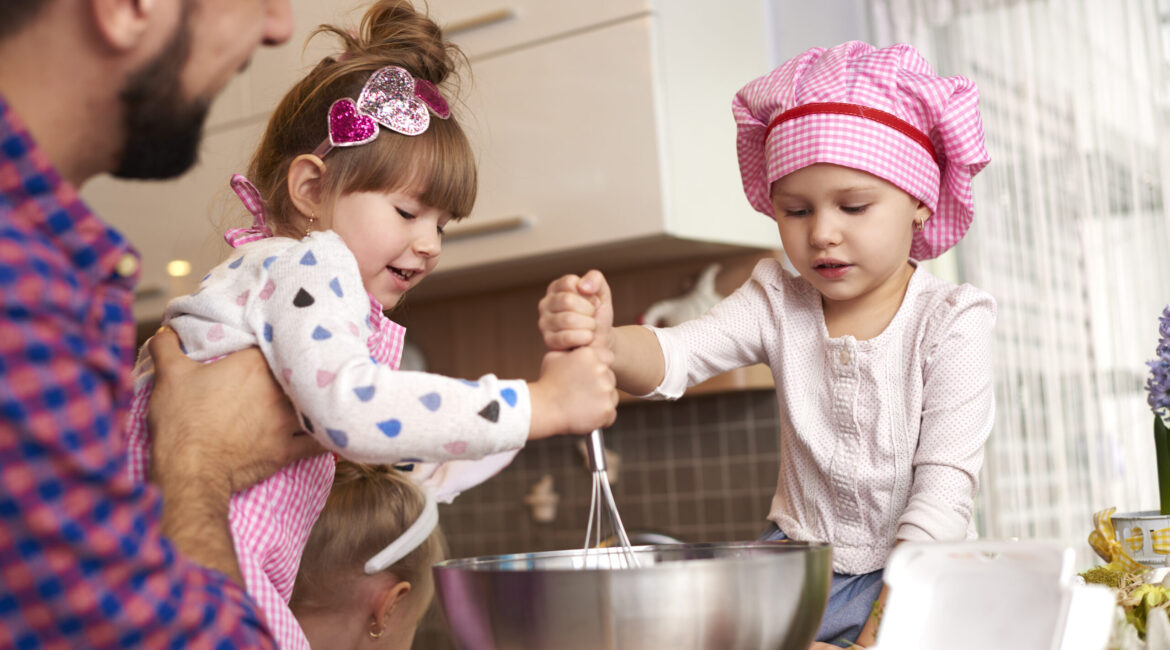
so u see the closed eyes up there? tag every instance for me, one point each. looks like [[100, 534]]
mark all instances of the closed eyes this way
[[439, 228], [847, 209]]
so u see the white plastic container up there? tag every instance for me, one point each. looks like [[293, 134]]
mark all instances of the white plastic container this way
[[981, 595]]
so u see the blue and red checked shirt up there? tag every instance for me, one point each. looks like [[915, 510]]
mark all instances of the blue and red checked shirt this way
[[82, 559]]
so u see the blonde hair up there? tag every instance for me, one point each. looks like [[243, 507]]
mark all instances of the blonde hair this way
[[368, 507], [439, 161]]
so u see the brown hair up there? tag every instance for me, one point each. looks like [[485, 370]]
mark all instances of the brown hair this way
[[439, 162], [368, 507]]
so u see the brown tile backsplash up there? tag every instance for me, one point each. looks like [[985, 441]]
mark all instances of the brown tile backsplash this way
[[702, 469]]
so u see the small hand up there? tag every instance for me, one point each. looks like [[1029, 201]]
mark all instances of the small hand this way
[[577, 311], [576, 393]]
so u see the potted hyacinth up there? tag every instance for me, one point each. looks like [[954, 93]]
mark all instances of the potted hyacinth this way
[[1136, 530], [1158, 387], [1143, 595]]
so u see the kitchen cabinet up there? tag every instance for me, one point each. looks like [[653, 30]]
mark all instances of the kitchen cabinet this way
[[603, 132], [487, 27], [607, 141]]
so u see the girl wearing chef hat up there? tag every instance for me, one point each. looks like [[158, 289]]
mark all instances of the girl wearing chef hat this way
[[864, 157]]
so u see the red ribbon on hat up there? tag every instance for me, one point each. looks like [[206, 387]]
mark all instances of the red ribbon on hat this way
[[873, 114]]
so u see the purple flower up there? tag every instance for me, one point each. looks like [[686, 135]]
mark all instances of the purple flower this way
[[1158, 383]]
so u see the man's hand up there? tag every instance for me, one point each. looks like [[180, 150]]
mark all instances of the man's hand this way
[[228, 420], [216, 429]]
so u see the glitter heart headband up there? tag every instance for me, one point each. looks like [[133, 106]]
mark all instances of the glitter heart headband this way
[[392, 98]]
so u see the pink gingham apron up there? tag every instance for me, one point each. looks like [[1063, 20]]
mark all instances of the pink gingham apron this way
[[271, 521]]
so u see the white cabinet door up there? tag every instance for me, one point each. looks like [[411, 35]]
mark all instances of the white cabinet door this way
[[567, 143], [485, 26]]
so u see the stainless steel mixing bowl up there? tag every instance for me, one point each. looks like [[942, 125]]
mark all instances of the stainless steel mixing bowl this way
[[726, 596]]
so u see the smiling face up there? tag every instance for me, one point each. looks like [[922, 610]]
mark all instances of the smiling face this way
[[848, 233], [394, 236]]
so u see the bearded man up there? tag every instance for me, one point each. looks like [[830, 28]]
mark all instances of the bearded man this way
[[87, 559]]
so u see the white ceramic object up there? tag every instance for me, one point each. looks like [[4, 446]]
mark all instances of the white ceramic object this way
[[673, 311], [1018, 595], [543, 499], [1157, 630]]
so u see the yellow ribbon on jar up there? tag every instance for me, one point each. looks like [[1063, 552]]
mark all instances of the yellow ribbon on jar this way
[[1161, 540], [1135, 540], [1104, 542]]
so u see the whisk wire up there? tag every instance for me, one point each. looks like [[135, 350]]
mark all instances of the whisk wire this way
[[602, 504]]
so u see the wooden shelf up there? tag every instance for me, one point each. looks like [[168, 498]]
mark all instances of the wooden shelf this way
[[750, 378], [755, 377]]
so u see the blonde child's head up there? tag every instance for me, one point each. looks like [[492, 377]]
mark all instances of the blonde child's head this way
[[308, 174], [339, 604], [881, 112]]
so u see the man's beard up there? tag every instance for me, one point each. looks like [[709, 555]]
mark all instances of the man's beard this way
[[163, 129]]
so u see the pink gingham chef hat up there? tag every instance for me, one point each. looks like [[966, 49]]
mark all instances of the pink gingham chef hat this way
[[884, 112]]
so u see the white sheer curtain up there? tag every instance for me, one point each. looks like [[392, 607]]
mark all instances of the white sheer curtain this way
[[1070, 236]]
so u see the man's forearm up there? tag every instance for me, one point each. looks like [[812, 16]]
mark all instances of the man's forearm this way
[[195, 519]]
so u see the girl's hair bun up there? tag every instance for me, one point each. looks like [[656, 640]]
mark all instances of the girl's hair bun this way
[[393, 32]]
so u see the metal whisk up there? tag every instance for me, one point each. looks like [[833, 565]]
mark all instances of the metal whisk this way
[[600, 514]]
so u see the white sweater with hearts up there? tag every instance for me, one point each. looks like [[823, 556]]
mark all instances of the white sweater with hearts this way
[[303, 303]]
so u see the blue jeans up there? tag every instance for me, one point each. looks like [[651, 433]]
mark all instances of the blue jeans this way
[[851, 599]]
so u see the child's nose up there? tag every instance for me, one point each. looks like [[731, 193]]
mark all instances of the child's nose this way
[[825, 231], [428, 244]]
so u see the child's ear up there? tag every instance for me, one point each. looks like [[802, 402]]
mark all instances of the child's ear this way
[[390, 597], [304, 187], [922, 213]]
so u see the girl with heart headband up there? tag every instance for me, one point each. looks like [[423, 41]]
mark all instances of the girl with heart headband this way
[[864, 157], [344, 600], [358, 172]]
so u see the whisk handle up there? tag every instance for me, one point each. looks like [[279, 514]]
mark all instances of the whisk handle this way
[[595, 448]]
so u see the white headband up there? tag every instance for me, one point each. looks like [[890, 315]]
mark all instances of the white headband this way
[[418, 532]]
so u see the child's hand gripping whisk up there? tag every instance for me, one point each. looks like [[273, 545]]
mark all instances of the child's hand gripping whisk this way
[[578, 312]]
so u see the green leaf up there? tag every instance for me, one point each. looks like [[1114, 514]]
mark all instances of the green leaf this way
[[1162, 452]]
